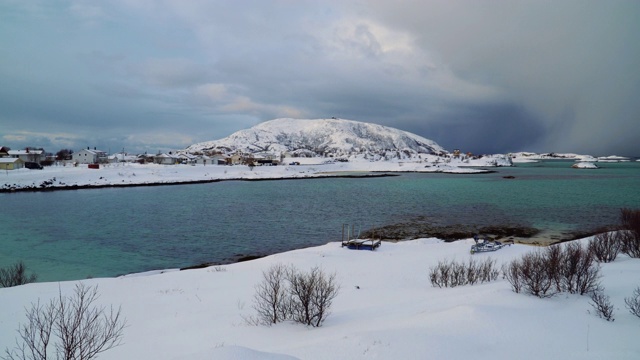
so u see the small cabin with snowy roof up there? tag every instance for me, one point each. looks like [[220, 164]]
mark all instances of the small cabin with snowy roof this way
[[165, 159], [216, 159], [7, 163]]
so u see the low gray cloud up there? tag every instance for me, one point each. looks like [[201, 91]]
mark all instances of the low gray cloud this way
[[482, 77]]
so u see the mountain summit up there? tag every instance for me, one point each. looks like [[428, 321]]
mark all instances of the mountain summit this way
[[321, 137]]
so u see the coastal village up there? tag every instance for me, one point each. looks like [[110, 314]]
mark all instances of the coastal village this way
[[36, 158]]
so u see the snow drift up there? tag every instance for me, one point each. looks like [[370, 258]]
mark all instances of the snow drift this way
[[386, 309]]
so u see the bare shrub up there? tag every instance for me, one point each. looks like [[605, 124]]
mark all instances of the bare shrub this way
[[434, 276], [15, 275], [633, 302], [487, 270], [554, 257], [286, 293], [630, 235], [452, 273], [472, 272], [630, 219], [439, 275], [602, 304], [511, 272], [531, 274], [571, 260], [73, 326], [270, 298], [605, 246], [458, 274], [311, 295], [536, 278], [570, 268], [580, 272]]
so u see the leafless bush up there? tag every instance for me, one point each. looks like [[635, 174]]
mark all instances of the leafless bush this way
[[311, 295], [74, 327], [458, 274], [452, 273], [630, 235], [439, 275], [554, 258], [633, 302], [580, 273], [570, 268], [511, 272], [531, 274], [605, 246], [602, 304], [270, 298], [286, 293], [630, 219], [472, 272], [536, 277], [488, 270], [15, 275]]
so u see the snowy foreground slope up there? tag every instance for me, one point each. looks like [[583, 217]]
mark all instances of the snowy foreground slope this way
[[386, 309], [323, 137]]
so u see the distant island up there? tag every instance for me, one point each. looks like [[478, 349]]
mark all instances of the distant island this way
[[276, 149]]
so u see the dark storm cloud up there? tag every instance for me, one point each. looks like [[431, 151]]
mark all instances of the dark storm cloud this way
[[483, 129], [482, 77], [571, 64]]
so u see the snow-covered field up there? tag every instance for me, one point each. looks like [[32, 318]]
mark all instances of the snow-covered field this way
[[134, 174], [386, 309]]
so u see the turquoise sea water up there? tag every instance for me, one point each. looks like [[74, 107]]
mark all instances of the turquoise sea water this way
[[65, 235]]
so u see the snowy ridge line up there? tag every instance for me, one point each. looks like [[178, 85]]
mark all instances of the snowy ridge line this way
[[322, 138]]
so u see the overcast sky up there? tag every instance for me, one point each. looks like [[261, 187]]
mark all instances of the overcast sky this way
[[481, 76]]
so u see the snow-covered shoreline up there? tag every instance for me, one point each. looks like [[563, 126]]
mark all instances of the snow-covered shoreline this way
[[132, 174], [386, 308]]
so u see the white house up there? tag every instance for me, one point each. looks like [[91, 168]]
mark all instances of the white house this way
[[122, 157], [27, 155], [165, 159], [186, 158], [88, 156], [217, 159]]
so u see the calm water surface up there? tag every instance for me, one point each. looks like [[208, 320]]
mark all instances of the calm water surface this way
[[65, 235]]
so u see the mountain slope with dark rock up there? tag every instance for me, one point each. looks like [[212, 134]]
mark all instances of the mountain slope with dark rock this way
[[323, 138]]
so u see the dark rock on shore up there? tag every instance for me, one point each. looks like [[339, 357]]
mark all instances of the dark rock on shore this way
[[581, 234], [415, 230], [238, 258]]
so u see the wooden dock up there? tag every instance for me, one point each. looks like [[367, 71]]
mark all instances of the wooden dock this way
[[362, 244], [351, 241]]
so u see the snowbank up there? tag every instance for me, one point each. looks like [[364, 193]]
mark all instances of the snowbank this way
[[386, 309]]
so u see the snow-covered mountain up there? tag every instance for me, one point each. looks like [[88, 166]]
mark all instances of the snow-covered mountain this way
[[321, 137]]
